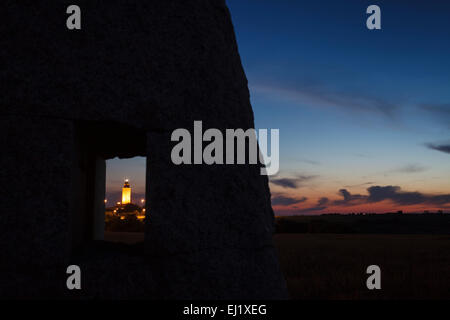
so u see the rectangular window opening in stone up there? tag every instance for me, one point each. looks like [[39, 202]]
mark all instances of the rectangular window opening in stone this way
[[125, 202], [104, 154]]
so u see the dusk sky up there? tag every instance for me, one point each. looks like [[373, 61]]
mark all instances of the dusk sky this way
[[364, 115]]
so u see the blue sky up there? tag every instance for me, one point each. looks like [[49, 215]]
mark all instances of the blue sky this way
[[355, 107]]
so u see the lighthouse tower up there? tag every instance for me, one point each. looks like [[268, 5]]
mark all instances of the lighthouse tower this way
[[126, 193]]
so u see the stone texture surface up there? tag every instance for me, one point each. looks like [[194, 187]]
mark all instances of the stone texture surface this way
[[35, 175], [151, 67]]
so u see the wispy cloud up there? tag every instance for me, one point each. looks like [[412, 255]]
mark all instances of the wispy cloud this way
[[292, 183], [410, 168], [280, 200], [309, 161], [320, 205], [359, 185], [441, 112], [321, 95]]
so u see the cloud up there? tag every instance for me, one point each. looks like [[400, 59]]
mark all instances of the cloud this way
[[321, 205], [323, 96], [374, 194], [309, 161], [349, 199], [410, 168], [280, 200], [285, 182], [443, 108], [322, 201], [393, 193], [439, 111], [439, 147], [359, 185], [292, 183], [378, 193], [363, 155]]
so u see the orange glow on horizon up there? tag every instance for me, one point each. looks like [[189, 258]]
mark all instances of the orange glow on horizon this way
[[378, 208]]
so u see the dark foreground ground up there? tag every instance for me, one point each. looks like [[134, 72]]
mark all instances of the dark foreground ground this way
[[333, 266], [389, 223]]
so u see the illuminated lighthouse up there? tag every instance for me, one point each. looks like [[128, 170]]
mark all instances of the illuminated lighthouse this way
[[126, 193]]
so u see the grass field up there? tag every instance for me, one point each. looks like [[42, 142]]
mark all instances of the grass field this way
[[332, 266]]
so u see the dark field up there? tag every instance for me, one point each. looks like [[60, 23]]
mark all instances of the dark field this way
[[389, 223], [333, 266]]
